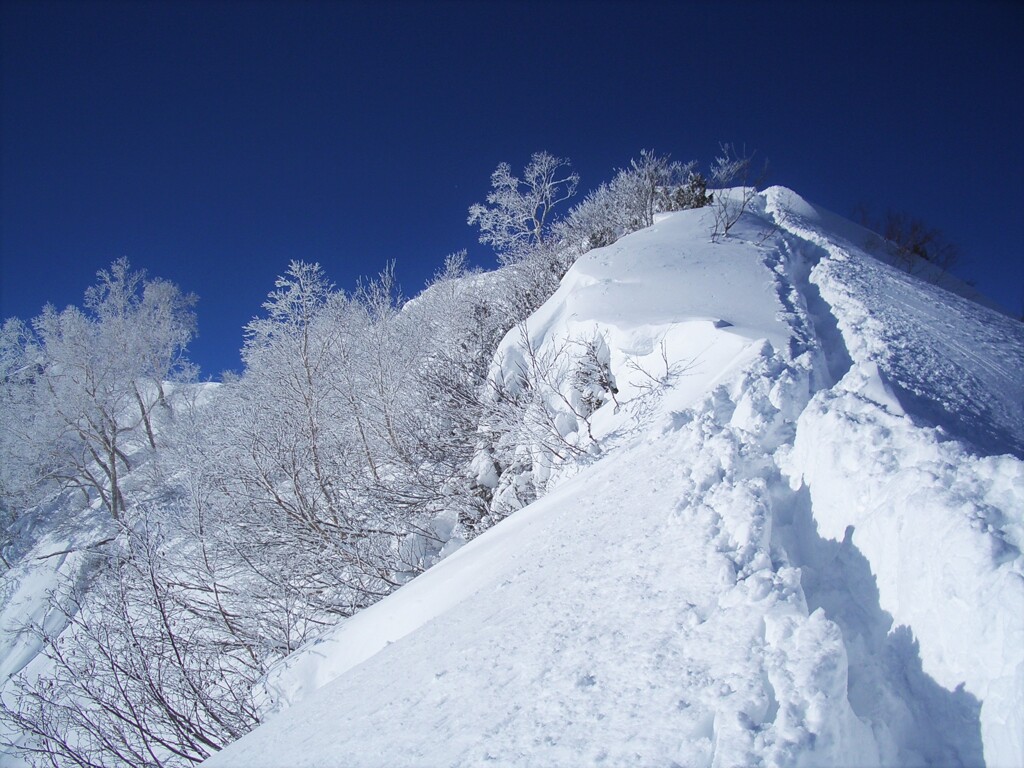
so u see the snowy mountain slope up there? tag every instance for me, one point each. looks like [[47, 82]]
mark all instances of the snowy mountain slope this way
[[705, 353], [951, 362], [791, 543], [929, 358]]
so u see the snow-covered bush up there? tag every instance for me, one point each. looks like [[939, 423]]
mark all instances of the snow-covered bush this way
[[537, 417], [148, 666], [733, 167]]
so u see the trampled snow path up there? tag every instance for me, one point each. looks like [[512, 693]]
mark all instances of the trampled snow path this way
[[720, 589], [939, 521]]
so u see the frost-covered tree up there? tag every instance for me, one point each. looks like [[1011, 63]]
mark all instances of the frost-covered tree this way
[[327, 453], [20, 450], [518, 212], [148, 666], [651, 184], [312, 453], [92, 378], [465, 315]]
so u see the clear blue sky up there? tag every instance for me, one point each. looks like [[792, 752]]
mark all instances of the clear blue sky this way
[[212, 142]]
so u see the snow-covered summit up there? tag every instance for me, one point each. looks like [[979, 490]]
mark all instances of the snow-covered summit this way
[[789, 533]]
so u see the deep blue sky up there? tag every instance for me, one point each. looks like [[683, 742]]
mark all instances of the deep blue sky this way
[[212, 142]]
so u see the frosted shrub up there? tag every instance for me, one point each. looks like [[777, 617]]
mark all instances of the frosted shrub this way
[[518, 213], [733, 168]]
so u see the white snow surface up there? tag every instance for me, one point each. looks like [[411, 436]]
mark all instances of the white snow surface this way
[[798, 544], [793, 537]]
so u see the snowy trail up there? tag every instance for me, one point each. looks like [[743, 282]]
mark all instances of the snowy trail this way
[[951, 362], [913, 719], [938, 526]]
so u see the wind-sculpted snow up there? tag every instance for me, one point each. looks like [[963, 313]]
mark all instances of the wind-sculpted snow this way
[[662, 275], [770, 547], [942, 531]]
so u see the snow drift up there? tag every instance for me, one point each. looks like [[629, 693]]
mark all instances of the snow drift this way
[[791, 537]]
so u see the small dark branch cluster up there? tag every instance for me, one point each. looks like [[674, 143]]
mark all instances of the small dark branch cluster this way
[[911, 241], [733, 168]]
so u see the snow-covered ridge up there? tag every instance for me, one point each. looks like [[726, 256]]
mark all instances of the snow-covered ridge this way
[[797, 540]]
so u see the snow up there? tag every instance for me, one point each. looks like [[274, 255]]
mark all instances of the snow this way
[[958, 365], [57, 561], [799, 542], [878, 454], [792, 537]]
